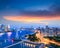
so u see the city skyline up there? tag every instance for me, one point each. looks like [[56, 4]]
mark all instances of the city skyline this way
[[30, 13]]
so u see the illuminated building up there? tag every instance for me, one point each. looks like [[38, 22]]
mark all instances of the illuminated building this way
[[7, 28]]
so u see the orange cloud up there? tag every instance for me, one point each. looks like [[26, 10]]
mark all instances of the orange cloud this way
[[30, 19]]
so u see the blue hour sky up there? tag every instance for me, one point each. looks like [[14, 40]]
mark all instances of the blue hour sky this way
[[30, 12]]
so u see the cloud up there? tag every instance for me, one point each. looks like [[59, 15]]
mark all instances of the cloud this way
[[36, 8], [30, 19], [52, 10], [38, 13]]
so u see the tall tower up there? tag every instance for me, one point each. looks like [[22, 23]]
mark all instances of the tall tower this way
[[7, 28], [47, 30], [17, 36]]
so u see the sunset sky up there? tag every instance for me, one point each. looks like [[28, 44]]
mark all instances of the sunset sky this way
[[30, 12]]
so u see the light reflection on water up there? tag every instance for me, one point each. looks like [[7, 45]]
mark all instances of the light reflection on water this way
[[7, 38], [1, 34], [9, 33]]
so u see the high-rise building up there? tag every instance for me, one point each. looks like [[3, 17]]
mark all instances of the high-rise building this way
[[7, 28], [47, 30]]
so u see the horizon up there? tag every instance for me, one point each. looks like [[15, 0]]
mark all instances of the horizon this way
[[30, 13]]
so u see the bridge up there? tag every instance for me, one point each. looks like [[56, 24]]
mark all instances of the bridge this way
[[26, 44]]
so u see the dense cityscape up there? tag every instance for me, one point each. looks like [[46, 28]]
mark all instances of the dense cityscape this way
[[29, 23], [47, 31], [24, 34]]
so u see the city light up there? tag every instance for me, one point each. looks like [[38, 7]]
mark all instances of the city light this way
[[9, 33], [29, 23], [1, 34]]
